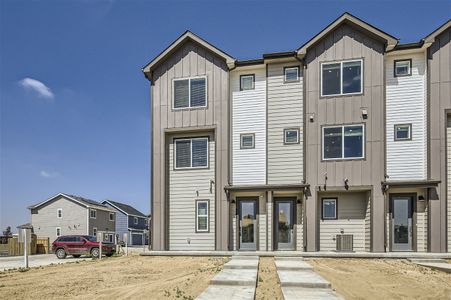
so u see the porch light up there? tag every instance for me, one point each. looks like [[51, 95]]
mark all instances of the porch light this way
[[421, 198]]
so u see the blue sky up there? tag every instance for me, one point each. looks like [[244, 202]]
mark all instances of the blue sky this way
[[75, 107]]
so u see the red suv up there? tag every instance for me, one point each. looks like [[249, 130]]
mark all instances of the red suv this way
[[77, 245]]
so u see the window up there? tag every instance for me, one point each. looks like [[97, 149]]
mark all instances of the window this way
[[247, 82], [93, 213], [59, 213], [191, 153], [135, 220], [343, 142], [342, 78], [291, 74], [94, 231], [58, 231], [247, 141], [291, 136], [329, 208], [191, 92], [403, 68], [202, 216], [111, 216], [403, 132]]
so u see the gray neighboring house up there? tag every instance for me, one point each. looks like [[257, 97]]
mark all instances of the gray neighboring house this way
[[65, 214], [131, 221]]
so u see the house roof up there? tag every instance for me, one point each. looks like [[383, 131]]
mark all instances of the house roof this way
[[88, 203], [125, 208], [431, 37], [348, 18]]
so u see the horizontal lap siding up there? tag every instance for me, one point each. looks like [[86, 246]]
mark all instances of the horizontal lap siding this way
[[285, 110], [406, 104], [183, 188], [249, 116], [448, 149]]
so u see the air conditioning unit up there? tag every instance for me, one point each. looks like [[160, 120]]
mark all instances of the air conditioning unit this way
[[345, 242]]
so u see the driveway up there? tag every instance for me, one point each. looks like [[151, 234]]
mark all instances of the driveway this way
[[12, 262]]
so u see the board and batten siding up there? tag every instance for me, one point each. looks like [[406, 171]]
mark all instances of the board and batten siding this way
[[406, 104], [249, 116], [448, 177], [285, 111], [189, 60], [185, 187]]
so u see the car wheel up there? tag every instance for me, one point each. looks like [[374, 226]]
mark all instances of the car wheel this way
[[95, 252], [76, 255], [61, 253]]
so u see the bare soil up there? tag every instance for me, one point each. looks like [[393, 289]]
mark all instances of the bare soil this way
[[383, 279], [268, 284], [129, 277]]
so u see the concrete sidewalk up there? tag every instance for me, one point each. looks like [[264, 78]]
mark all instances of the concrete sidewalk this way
[[15, 262], [436, 264]]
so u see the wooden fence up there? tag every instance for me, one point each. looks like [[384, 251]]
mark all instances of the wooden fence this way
[[11, 246]]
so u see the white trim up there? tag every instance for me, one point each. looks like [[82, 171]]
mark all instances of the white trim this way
[[285, 135], [135, 221], [94, 210], [206, 215], [409, 70], [122, 211], [253, 82], [56, 232], [189, 92], [285, 74], [109, 216], [94, 229], [87, 221], [335, 210], [341, 77], [408, 138], [342, 141], [247, 135], [58, 213], [191, 153], [70, 198]]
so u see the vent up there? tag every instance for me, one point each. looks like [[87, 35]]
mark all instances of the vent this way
[[345, 242]]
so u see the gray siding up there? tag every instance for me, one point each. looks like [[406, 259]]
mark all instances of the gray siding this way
[[285, 111], [102, 222], [189, 60], [121, 222], [439, 62], [141, 223], [346, 42]]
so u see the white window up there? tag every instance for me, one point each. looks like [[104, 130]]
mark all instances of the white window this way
[[247, 141], [343, 142], [291, 136], [247, 82], [135, 220], [191, 153], [190, 92], [94, 231], [92, 213], [111, 216], [202, 208], [291, 74], [342, 78], [59, 213], [58, 231], [329, 208], [403, 68], [403, 132]]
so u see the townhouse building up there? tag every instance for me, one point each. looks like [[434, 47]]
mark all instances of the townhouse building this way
[[339, 145]]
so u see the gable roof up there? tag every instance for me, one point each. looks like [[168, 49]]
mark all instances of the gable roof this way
[[87, 203], [125, 208], [186, 36], [431, 37], [348, 18]]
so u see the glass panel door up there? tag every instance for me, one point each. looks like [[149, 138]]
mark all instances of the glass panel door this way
[[248, 224], [284, 224], [402, 223]]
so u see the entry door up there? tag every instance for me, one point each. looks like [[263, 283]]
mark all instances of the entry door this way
[[285, 219], [402, 211], [248, 224]]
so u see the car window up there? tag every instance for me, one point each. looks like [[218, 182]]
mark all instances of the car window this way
[[91, 238]]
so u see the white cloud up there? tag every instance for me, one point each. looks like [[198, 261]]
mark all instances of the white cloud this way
[[40, 88], [47, 174]]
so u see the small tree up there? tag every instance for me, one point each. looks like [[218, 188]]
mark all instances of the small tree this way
[[7, 232]]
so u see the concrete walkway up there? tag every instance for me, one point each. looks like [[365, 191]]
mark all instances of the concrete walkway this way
[[238, 280], [436, 264], [299, 281]]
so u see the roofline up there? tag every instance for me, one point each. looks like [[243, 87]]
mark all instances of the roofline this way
[[71, 198], [250, 62], [431, 37], [133, 215], [391, 40]]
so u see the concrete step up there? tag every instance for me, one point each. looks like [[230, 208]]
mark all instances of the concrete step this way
[[226, 292], [244, 277], [242, 264], [427, 260], [293, 265], [288, 258], [304, 279], [444, 267], [244, 256], [294, 293]]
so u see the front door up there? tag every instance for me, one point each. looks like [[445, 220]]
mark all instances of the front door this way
[[402, 212], [284, 224], [247, 210]]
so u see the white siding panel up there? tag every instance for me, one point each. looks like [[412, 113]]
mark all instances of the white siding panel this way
[[269, 209], [448, 180], [406, 104], [299, 228], [187, 186], [249, 116], [262, 232], [422, 221]]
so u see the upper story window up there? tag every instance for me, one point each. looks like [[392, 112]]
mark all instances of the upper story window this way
[[190, 93], [111, 216], [135, 220], [342, 78], [291, 74], [191, 153], [403, 132], [59, 213], [247, 141], [93, 213], [247, 82], [202, 216], [329, 208], [343, 142], [403, 67], [291, 136]]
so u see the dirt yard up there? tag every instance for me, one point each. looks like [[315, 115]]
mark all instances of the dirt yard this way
[[268, 285], [383, 279], [114, 278]]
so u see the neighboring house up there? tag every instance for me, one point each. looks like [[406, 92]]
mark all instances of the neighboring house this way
[[129, 221], [340, 145], [65, 214]]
